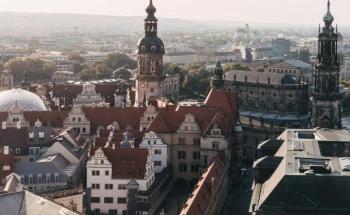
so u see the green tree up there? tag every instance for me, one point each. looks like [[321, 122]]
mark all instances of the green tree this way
[[76, 57], [116, 60], [101, 70]]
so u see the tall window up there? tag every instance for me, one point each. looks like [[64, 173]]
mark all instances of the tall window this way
[[122, 200], [95, 172], [108, 200], [182, 167], [95, 186], [108, 186], [196, 155], [157, 151], [95, 199], [181, 155]]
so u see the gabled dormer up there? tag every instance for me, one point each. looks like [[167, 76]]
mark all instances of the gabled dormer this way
[[189, 125], [99, 159]]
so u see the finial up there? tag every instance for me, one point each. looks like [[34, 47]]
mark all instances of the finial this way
[[151, 10], [328, 18]]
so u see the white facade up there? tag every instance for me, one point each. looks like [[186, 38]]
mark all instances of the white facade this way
[[157, 149], [106, 189]]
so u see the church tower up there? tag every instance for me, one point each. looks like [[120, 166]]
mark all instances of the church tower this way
[[150, 48], [217, 79], [326, 111]]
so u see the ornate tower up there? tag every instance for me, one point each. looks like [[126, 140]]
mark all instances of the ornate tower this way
[[217, 80], [326, 98], [150, 61]]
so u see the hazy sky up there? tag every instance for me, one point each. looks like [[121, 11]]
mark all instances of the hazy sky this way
[[286, 11]]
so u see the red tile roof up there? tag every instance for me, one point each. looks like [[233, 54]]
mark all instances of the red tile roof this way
[[127, 163], [106, 116], [52, 118], [14, 138], [199, 200], [169, 121], [224, 101]]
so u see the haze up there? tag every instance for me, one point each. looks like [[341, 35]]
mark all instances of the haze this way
[[258, 11]]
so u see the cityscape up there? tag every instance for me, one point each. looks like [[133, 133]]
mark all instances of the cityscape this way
[[131, 113]]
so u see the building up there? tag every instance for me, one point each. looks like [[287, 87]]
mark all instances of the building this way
[[210, 192], [89, 97], [60, 77], [297, 68], [114, 174], [150, 78], [326, 109], [308, 174], [157, 149], [287, 105], [6, 79], [280, 48]]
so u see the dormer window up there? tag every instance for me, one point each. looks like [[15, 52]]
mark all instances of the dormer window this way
[[18, 151], [31, 135], [41, 134]]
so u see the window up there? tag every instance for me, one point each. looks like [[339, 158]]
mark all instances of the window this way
[[18, 151], [95, 186], [196, 155], [182, 168], [157, 151], [48, 177], [194, 168], [152, 90], [204, 159], [215, 146], [122, 200], [56, 177], [95, 199], [181, 155], [40, 179], [30, 179], [181, 140], [95, 172], [84, 130], [125, 212], [196, 141], [157, 163], [109, 186], [108, 200], [121, 186], [106, 173]]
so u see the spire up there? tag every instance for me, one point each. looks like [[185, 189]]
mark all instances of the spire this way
[[144, 101], [151, 10], [217, 79], [328, 18]]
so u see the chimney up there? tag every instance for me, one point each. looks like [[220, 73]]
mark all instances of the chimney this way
[[123, 105], [3, 125], [6, 150], [19, 125], [113, 146]]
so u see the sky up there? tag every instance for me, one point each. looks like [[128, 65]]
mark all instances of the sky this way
[[255, 11]]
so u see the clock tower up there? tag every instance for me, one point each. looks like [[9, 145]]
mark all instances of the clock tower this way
[[150, 49]]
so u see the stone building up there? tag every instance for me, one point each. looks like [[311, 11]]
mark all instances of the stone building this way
[[268, 103], [308, 173]]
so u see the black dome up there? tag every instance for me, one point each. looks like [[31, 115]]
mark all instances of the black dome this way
[[150, 45]]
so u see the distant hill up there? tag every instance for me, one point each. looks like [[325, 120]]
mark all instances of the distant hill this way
[[13, 23]]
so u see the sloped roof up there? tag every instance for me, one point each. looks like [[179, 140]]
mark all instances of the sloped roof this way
[[106, 116], [127, 163], [14, 138], [222, 100], [24, 202], [169, 121], [52, 118], [200, 198], [261, 77]]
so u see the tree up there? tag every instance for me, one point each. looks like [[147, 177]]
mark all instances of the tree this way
[[116, 60], [229, 67], [88, 74], [76, 57], [77, 67], [36, 69], [101, 70]]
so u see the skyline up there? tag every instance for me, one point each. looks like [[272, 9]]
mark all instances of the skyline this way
[[267, 11]]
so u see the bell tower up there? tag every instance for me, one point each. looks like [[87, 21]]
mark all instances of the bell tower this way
[[150, 49], [326, 111]]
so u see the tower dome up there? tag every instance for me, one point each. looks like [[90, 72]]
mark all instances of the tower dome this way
[[24, 100]]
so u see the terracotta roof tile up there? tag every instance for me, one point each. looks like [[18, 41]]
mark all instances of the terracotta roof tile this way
[[106, 116], [200, 198], [52, 118]]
